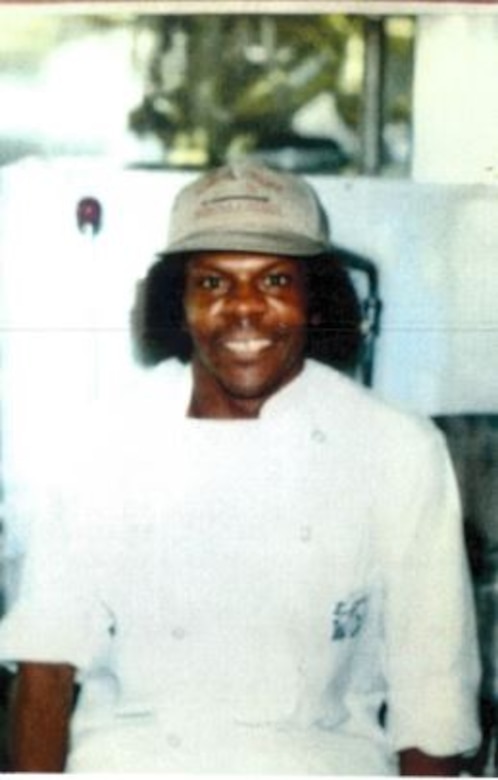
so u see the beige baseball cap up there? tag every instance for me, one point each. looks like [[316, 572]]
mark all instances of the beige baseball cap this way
[[247, 206]]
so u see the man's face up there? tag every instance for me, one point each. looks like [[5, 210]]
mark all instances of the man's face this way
[[246, 314]]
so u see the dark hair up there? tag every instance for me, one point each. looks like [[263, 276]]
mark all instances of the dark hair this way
[[334, 330]]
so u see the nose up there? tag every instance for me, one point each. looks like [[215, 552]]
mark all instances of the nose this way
[[246, 301]]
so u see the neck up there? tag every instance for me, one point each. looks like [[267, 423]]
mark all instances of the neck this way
[[209, 400], [236, 411], [208, 403]]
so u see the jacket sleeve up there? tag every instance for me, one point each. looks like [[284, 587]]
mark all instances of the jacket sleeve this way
[[431, 651], [57, 615]]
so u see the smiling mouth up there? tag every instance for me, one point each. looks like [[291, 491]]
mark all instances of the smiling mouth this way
[[247, 347]]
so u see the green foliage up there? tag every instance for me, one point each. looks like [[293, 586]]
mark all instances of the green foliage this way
[[215, 83]]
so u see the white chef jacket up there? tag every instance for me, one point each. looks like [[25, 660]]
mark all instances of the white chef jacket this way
[[242, 596]]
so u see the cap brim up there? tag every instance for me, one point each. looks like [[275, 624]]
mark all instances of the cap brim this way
[[273, 244]]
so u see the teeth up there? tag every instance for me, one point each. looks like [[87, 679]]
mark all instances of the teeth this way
[[247, 346]]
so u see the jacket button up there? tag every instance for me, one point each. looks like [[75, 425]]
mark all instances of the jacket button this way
[[305, 533], [173, 740], [318, 436]]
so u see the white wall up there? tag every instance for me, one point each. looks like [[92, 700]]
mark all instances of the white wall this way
[[436, 247], [455, 98]]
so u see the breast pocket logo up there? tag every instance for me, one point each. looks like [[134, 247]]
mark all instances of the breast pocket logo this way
[[348, 618]]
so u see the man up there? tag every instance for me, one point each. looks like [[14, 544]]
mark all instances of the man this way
[[253, 565]]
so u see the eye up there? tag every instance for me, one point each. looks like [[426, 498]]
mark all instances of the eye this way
[[210, 282], [277, 279]]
